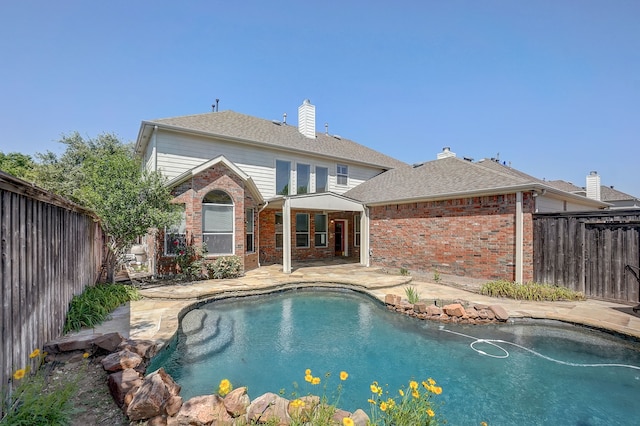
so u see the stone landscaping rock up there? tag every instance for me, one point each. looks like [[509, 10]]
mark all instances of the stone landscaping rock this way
[[145, 348], [157, 421], [108, 342], [499, 312], [454, 310], [360, 418], [121, 360], [433, 310], [148, 401], [173, 405], [201, 410], [392, 299], [121, 382], [237, 401], [269, 407], [420, 307]]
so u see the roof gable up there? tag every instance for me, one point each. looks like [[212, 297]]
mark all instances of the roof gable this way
[[243, 128]]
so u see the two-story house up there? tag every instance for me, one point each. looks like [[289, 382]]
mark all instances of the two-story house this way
[[270, 192]]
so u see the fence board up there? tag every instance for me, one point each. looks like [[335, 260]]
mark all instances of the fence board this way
[[589, 252], [50, 249]]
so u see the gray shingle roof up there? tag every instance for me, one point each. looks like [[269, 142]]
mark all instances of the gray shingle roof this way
[[443, 177], [230, 124], [609, 194], [566, 186]]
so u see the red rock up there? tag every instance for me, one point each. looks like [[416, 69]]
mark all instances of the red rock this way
[[420, 307], [360, 418], [148, 401], [237, 401], [121, 361], [454, 310], [109, 342], [173, 405], [433, 310], [499, 312], [121, 382], [268, 407]]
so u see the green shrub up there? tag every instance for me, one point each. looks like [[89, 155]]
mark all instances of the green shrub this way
[[190, 261], [95, 304], [529, 291], [412, 294], [225, 267], [436, 276], [404, 271]]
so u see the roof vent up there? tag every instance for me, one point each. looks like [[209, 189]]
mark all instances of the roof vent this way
[[416, 165], [446, 153], [276, 122], [337, 137], [307, 119]]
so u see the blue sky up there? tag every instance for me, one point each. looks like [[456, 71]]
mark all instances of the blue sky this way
[[553, 87]]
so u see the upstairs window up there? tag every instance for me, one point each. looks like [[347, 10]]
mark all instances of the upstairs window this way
[[175, 237], [217, 223], [322, 177], [342, 174], [303, 178], [283, 177]]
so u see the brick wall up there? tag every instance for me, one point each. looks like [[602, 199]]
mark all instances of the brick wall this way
[[472, 237], [192, 192]]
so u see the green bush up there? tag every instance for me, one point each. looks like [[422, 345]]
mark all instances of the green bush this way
[[529, 291], [95, 304], [225, 267], [412, 294]]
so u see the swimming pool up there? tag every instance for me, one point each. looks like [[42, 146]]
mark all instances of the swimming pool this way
[[507, 374]]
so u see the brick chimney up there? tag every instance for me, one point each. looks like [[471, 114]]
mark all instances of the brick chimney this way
[[307, 119]]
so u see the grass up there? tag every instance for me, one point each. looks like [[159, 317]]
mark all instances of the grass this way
[[95, 304], [530, 291]]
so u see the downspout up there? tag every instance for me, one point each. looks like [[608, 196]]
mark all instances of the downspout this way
[[365, 258], [286, 236], [519, 238], [154, 154], [260, 211]]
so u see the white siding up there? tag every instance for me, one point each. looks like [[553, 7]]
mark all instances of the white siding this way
[[178, 153], [552, 205]]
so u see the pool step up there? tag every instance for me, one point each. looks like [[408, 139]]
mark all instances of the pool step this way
[[213, 335], [193, 321]]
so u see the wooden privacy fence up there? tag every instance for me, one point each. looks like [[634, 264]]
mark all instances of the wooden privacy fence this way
[[51, 250], [597, 253]]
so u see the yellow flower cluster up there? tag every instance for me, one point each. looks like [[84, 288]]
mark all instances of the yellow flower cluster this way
[[408, 410], [297, 403], [430, 385], [225, 387], [309, 377]]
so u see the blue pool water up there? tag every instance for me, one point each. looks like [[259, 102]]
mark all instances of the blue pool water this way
[[545, 374]]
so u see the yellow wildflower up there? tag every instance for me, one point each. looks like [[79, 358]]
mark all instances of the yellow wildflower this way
[[35, 353], [391, 403], [425, 385], [371, 401], [307, 372], [383, 406], [431, 381], [374, 388], [430, 412], [315, 381], [224, 387], [19, 374], [413, 385], [437, 390], [415, 394], [85, 355], [347, 421], [308, 378], [483, 423], [401, 392], [297, 403], [343, 376]]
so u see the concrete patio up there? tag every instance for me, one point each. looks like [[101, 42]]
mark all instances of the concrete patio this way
[[156, 316]]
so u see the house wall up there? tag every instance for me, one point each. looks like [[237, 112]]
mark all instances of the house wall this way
[[472, 237], [545, 204], [178, 153], [269, 254], [191, 193]]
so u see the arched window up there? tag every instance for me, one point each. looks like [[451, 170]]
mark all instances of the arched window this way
[[217, 223]]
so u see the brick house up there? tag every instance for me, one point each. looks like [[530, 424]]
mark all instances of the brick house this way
[[270, 192]]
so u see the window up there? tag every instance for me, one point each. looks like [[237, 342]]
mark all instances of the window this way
[[249, 231], [217, 222], [283, 175], [342, 174], [303, 178], [356, 227], [302, 230], [278, 230], [320, 236], [175, 237], [322, 174]]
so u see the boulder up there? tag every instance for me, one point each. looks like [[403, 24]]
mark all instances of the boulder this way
[[237, 401], [173, 405], [108, 342], [121, 361], [392, 299], [454, 310], [339, 415], [420, 307], [360, 418], [303, 411], [157, 421], [499, 312], [433, 310], [145, 348], [121, 382], [269, 407], [202, 410], [148, 401]]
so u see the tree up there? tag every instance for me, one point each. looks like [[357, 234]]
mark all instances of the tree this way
[[104, 175], [18, 165]]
